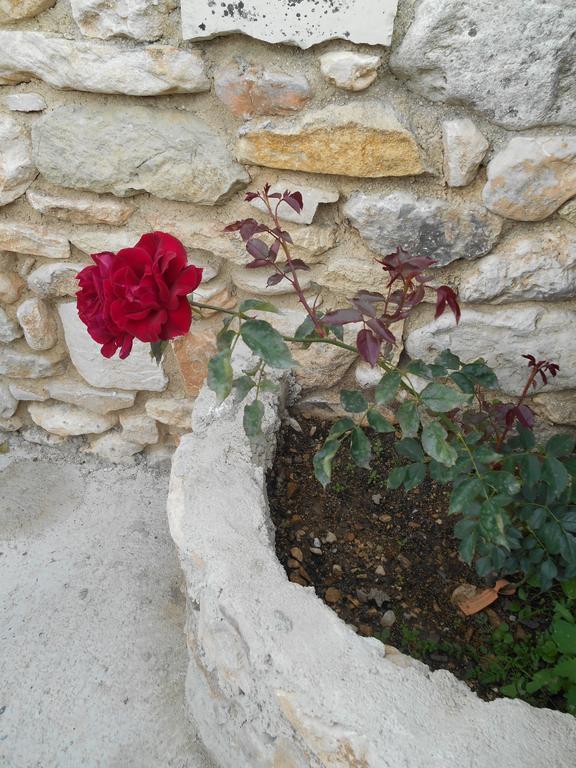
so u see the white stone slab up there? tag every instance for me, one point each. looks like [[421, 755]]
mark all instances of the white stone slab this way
[[138, 371], [297, 22]]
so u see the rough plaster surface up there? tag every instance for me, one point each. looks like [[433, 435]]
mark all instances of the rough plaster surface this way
[[91, 612], [276, 679], [301, 22]]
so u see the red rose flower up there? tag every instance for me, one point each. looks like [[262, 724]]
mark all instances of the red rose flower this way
[[140, 292]]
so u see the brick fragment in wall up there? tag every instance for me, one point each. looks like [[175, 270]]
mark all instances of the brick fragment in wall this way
[[193, 353], [250, 90]]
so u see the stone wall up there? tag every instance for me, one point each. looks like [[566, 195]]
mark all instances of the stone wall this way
[[447, 127]]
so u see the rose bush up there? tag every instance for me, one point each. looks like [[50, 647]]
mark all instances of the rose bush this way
[[138, 293]]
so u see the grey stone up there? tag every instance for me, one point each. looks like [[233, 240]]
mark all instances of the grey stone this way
[[128, 149], [8, 403], [299, 22], [15, 10], [423, 226], [99, 67], [501, 336], [79, 207], [68, 390], [137, 19], [350, 70], [25, 102], [512, 61], [20, 362], [137, 372], [464, 149], [67, 420], [9, 328], [114, 447], [568, 211], [34, 241], [531, 177], [55, 280], [536, 266], [17, 169], [38, 323]]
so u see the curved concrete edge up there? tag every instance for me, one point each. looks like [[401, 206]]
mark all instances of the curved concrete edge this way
[[276, 679]]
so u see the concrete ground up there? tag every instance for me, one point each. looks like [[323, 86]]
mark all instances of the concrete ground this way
[[92, 650]]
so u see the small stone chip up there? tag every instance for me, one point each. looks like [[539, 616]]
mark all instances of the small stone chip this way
[[333, 595]]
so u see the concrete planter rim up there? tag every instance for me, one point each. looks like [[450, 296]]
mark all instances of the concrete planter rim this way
[[276, 678]]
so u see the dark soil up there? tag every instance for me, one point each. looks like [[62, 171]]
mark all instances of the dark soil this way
[[368, 551]]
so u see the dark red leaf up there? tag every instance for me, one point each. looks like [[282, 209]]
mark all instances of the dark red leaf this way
[[299, 264], [258, 248], [368, 345], [273, 252], [275, 196], [445, 296], [234, 227], [294, 200], [342, 317], [251, 196], [274, 279], [525, 416], [531, 359], [257, 263], [251, 227], [381, 330]]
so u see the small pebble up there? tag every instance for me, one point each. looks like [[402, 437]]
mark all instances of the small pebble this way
[[380, 571], [330, 538], [385, 518], [377, 498], [337, 569], [333, 595], [387, 619], [296, 553], [317, 543], [315, 551]]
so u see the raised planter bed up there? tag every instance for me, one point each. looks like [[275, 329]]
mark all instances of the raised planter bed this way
[[276, 679]]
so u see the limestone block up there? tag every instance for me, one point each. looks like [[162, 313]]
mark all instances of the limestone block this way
[[68, 420], [348, 270], [464, 149], [10, 287], [531, 177], [80, 207], [303, 23], [152, 70], [19, 362], [137, 372], [159, 455], [501, 336], [14, 10], [9, 328], [568, 211], [217, 294], [350, 70], [39, 436], [115, 448], [126, 149], [55, 280], [250, 90], [557, 407], [11, 425], [36, 241], [17, 169], [512, 61], [28, 390], [76, 392], [423, 226], [137, 19], [139, 428], [8, 403], [173, 411], [25, 102], [312, 197], [193, 352], [357, 139], [38, 324], [537, 266]]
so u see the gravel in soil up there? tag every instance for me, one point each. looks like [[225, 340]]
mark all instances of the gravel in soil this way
[[385, 561]]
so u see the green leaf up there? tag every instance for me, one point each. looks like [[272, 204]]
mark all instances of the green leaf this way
[[341, 426], [360, 448], [566, 668], [440, 473], [258, 305], [463, 382], [467, 547], [448, 360], [396, 478], [540, 680], [410, 448], [420, 369], [387, 388], [464, 494], [305, 329], [535, 517], [267, 343], [267, 385], [220, 374], [434, 443], [408, 419], [225, 337], [157, 349], [243, 385], [253, 414], [352, 401], [481, 374], [483, 454], [415, 474], [564, 635], [552, 536], [555, 475], [569, 589], [530, 468], [547, 574], [442, 399], [378, 422], [323, 461], [560, 445]]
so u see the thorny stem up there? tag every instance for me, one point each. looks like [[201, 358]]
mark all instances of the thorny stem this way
[[501, 438]]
